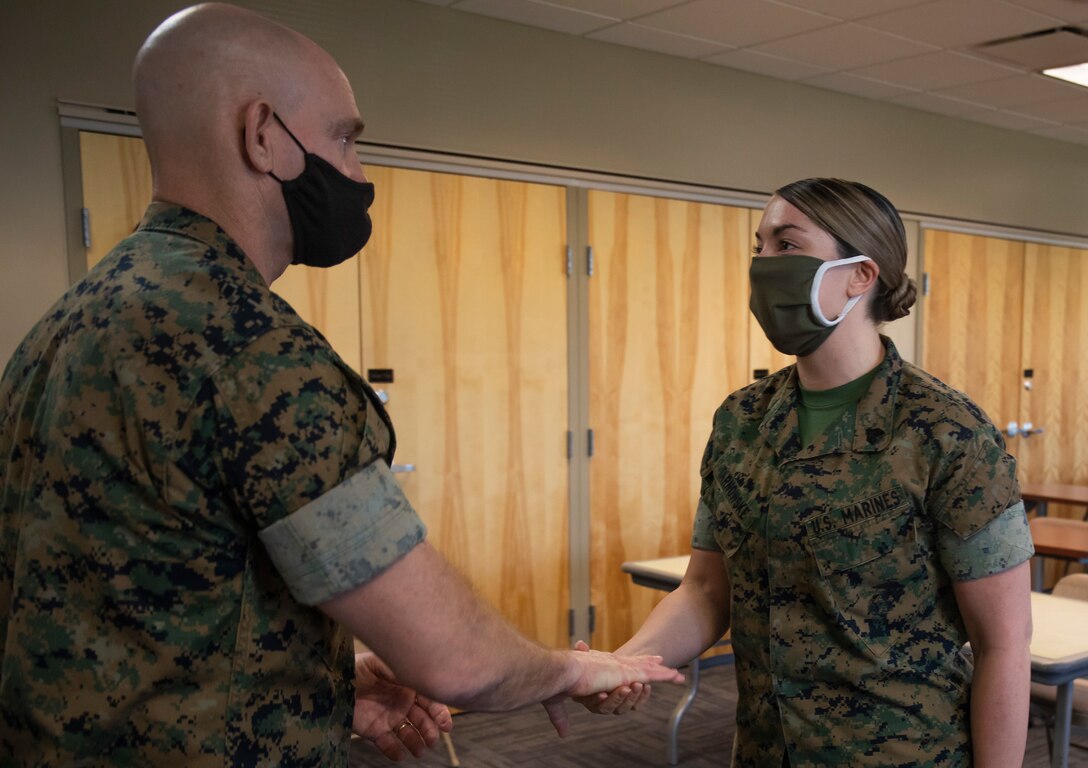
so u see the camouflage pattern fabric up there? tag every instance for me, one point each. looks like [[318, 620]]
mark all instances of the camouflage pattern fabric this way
[[180, 457], [841, 556]]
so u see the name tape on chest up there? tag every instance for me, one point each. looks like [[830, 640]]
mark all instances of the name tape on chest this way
[[857, 511]]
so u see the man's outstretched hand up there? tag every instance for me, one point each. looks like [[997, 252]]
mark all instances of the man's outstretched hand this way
[[396, 719], [617, 683]]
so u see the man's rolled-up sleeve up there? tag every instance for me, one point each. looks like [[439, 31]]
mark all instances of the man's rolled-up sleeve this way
[[344, 538], [304, 456]]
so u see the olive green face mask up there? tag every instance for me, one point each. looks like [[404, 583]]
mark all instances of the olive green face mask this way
[[786, 300]]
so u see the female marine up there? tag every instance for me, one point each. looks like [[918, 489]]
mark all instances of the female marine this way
[[859, 522]]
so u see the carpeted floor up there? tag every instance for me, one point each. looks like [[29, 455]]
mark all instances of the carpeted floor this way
[[525, 739]]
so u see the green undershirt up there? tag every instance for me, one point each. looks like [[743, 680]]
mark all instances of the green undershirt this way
[[820, 408]]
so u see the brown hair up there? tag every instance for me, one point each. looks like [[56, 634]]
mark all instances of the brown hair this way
[[862, 221]]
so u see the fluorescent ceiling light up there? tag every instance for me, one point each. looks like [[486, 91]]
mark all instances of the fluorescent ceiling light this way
[[1077, 73]]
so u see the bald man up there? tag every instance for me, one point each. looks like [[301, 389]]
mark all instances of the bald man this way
[[196, 506]]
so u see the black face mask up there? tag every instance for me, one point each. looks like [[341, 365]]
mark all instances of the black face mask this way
[[328, 211]]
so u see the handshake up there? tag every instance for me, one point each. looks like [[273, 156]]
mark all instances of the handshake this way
[[399, 721], [609, 684]]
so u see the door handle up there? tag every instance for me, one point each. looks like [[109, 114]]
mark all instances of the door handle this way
[[1028, 429], [400, 468]]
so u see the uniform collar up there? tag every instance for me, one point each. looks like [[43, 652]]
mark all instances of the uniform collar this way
[[876, 409], [872, 430], [178, 220]]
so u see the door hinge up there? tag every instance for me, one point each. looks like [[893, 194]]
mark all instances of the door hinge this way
[[85, 222], [570, 445], [925, 283], [592, 619], [589, 443], [589, 260], [570, 261], [570, 623]]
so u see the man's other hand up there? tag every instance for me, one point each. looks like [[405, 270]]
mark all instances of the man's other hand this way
[[394, 718]]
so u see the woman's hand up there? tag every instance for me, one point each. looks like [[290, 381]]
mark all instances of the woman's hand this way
[[619, 701]]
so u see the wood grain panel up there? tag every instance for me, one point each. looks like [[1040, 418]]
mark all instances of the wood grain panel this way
[[668, 341], [997, 308], [1055, 344], [464, 296], [761, 353], [973, 319], [116, 188]]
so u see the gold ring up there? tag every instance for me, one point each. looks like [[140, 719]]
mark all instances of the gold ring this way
[[402, 726]]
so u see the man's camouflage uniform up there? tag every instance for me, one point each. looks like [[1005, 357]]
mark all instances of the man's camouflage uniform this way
[[841, 557], [188, 468]]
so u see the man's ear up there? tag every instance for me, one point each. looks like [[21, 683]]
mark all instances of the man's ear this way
[[864, 276], [257, 123]]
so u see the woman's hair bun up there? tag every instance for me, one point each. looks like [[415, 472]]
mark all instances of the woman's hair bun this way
[[897, 302]]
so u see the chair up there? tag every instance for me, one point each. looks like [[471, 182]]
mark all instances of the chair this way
[[1043, 697]]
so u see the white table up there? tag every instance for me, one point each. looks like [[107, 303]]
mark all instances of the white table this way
[[1059, 647], [1059, 655]]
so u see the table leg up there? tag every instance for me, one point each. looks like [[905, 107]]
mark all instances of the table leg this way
[[1063, 716], [682, 707]]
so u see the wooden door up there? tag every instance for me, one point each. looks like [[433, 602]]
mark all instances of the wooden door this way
[[1055, 349], [668, 340], [973, 319], [1007, 323], [117, 190], [464, 299]]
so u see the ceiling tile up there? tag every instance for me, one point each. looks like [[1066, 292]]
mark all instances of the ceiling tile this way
[[638, 36], [933, 103], [1013, 91], [1075, 11], [1012, 120], [852, 9], [858, 86], [1064, 133], [931, 71], [846, 46], [961, 23], [762, 64], [538, 14], [618, 9], [1066, 111], [888, 50], [736, 22]]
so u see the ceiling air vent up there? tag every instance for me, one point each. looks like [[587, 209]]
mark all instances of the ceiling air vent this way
[[1046, 49]]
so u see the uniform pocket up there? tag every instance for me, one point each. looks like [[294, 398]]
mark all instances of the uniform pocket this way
[[873, 577]]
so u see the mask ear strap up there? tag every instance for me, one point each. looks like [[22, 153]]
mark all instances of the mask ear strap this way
[[299, 143], [284, 126], [814, 296]]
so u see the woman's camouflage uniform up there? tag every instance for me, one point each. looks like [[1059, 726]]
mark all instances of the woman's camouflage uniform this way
[[187, 468], [841, 557]]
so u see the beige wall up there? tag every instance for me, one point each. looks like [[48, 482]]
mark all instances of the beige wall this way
[[429, 77]]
